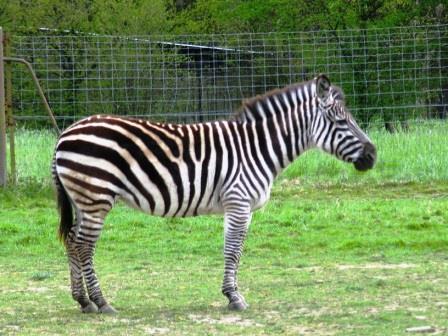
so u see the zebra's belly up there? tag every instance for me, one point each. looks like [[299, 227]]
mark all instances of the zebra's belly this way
[[186, 209], [261, 201]]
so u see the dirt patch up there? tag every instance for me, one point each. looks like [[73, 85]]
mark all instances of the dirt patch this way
[[305, 330], [344, 267], [228, 319], [38, 289], [375, 266], [11, 327], [273, 315], [157, 331], [314, 330]]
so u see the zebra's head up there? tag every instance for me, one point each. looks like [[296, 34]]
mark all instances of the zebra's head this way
[[335, 130]]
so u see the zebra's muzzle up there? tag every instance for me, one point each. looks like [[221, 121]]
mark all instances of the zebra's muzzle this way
[[367, 159]]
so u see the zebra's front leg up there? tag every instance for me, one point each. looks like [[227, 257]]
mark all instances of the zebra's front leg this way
[[236, 222]]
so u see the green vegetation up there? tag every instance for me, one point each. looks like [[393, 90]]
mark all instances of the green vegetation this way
[[334, 252], [216, 16], [143, 76], [389, 73], [347, 261], [418, 155]]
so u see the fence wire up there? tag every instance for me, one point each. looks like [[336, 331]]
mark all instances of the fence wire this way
[[388, 75]]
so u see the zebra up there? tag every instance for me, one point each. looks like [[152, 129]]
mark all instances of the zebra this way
[[180, 170]]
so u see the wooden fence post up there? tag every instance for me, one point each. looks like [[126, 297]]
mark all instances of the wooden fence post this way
[[10, 123], [3, 167]]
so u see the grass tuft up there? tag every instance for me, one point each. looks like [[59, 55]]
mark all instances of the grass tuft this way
[[41, 276]]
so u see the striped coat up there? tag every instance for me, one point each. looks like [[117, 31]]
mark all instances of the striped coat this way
[[175, 170]]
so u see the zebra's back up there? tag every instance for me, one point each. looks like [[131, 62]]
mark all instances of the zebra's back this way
[[162, 169]]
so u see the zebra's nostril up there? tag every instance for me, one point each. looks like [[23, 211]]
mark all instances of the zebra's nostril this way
[[367, 159]]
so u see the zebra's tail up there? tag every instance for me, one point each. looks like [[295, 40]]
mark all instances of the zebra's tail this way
[[64, 206]]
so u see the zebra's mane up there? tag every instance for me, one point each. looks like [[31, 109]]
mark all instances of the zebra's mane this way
[[249, 108]]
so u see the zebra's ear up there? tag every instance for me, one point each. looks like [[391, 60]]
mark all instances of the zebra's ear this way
[[322, 86]]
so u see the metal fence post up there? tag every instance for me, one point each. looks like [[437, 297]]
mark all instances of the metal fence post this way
[[3, 167]]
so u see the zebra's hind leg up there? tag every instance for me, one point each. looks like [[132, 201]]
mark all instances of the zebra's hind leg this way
[[76, 280], [88, 234], [236, 222]]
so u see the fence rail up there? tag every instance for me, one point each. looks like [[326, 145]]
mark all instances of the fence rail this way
[[392, 74]]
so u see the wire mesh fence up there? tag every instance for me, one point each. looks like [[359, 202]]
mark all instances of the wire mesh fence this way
[[388, 75]]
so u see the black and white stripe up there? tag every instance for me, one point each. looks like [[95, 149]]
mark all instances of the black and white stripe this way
[[187, 170]]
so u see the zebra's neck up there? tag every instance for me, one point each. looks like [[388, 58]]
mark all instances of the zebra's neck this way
[[278, 125]]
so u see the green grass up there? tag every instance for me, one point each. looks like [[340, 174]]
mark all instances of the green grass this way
[[420, 154], [33, 152], [349, 261], [333, 253]]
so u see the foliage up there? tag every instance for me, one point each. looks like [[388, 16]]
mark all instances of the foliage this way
[[139, 17], [120, 80], [106, 17], [211, 16]]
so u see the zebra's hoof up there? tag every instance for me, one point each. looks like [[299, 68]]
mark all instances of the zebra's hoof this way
[[90, 308], [238, 305], [107, 309]]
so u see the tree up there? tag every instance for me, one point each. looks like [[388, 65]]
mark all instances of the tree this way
[[91, 16]]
